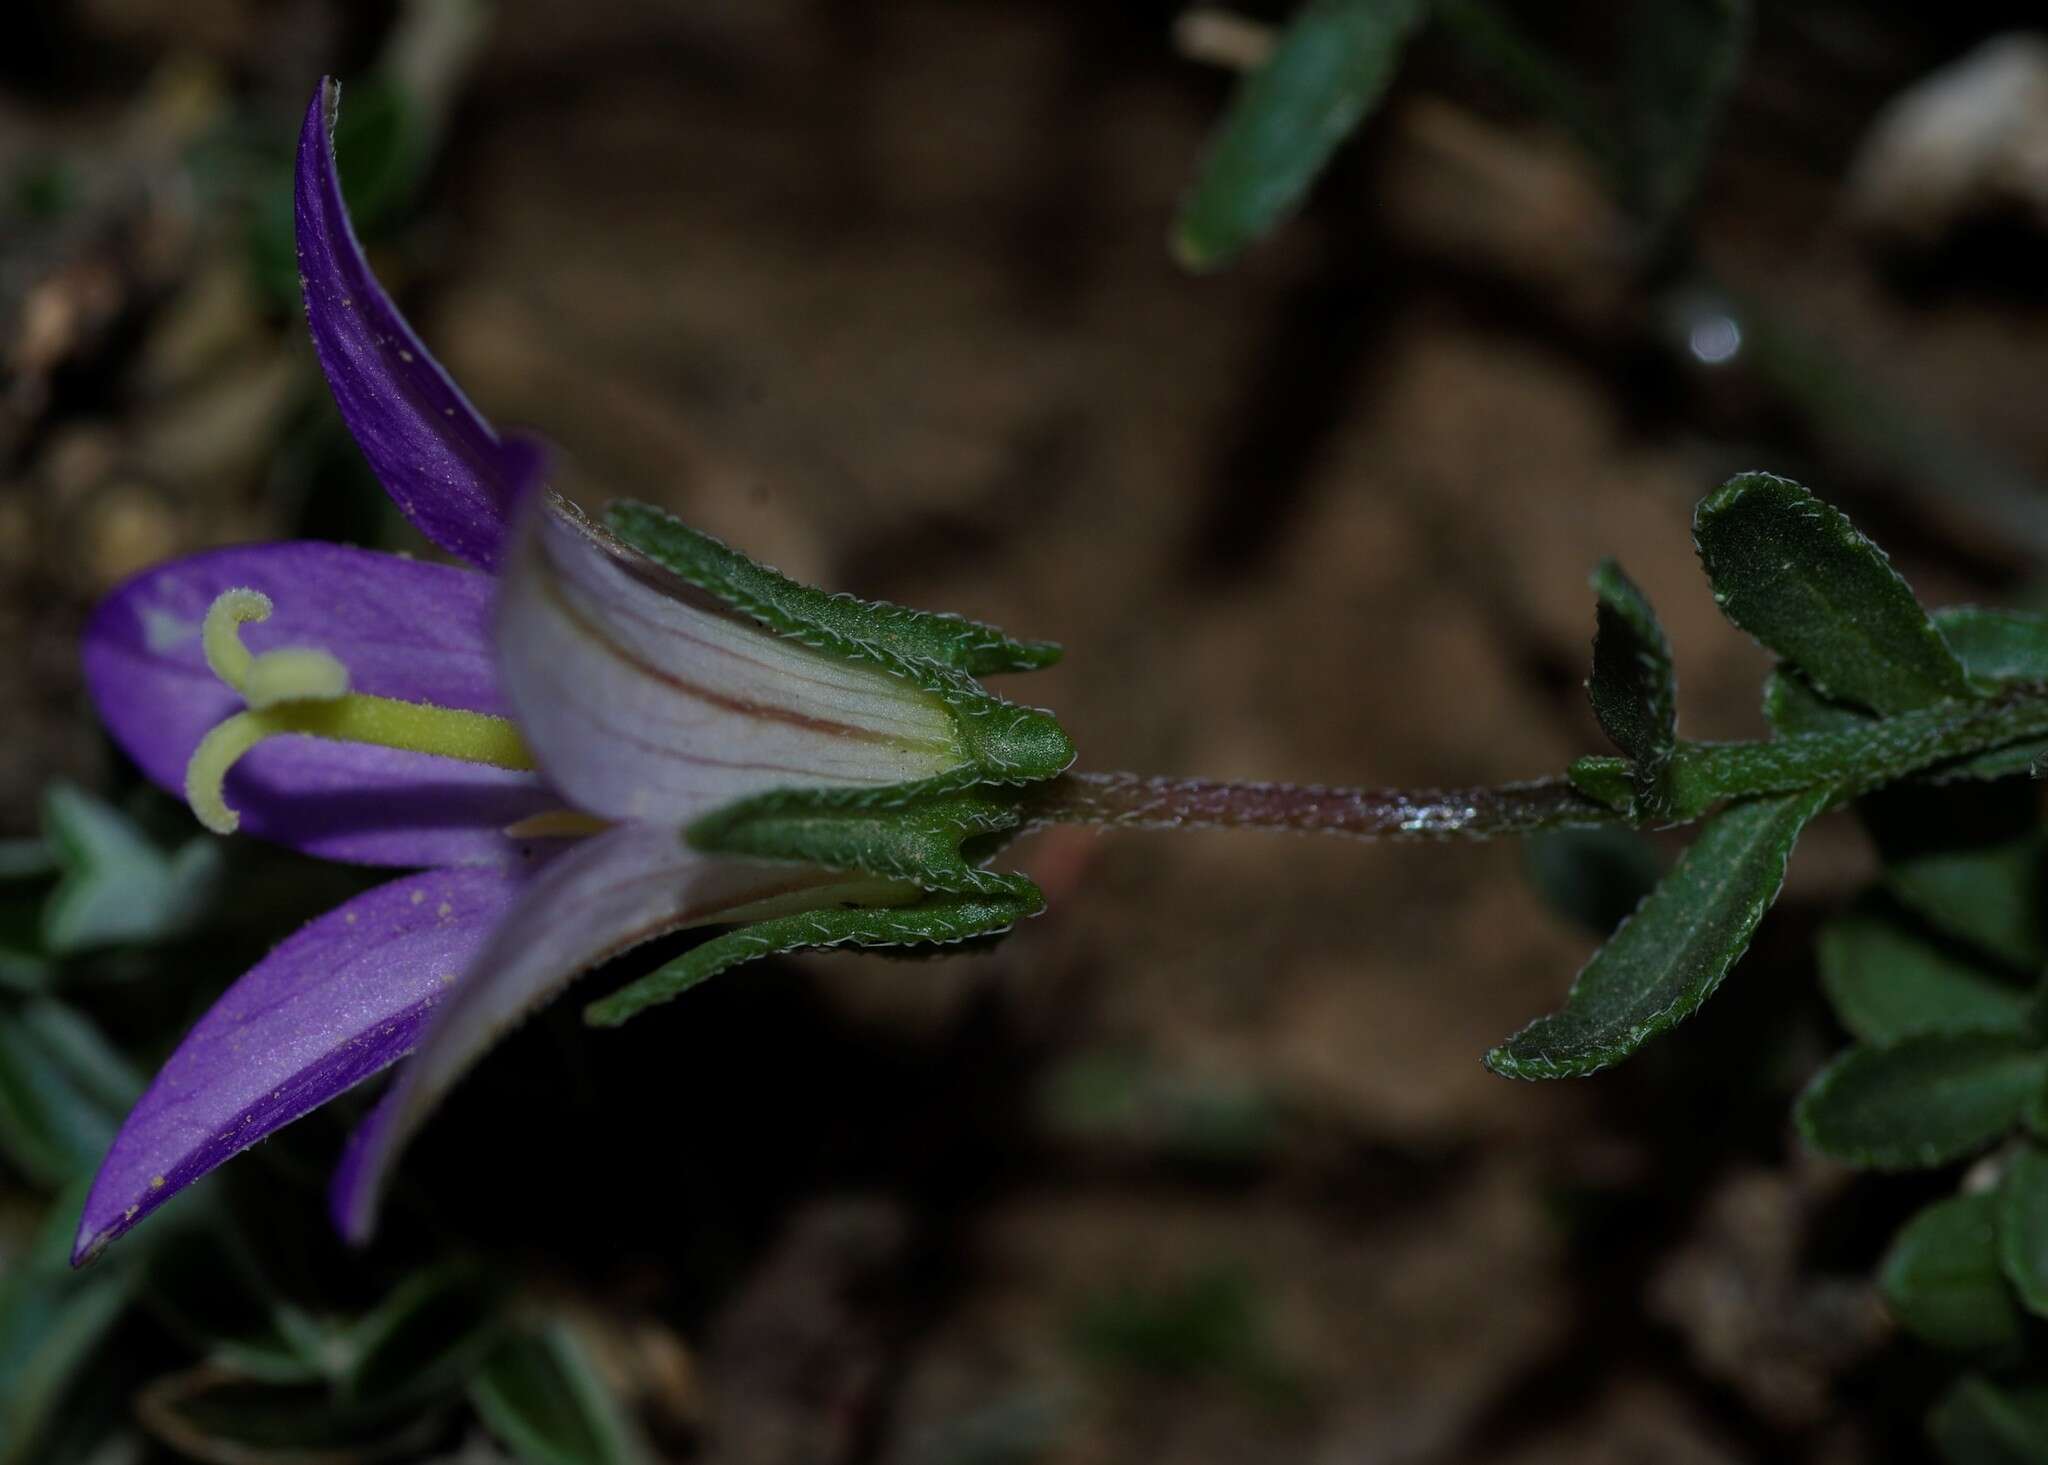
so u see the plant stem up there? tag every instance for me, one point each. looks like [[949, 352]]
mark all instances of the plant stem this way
[[1135, 801]]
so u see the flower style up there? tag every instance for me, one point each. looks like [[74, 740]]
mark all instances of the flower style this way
[[532, 735]]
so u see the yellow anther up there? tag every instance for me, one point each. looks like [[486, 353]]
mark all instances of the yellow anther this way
[[300, 690]]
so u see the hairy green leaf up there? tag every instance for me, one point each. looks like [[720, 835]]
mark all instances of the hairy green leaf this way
[[1886, 984], [1671, 955], [1978, 1422], [1942, 1280], [1633, 688], [1856, 760], [540, 1396], [936, 921], [1921, 1102], [1795, 573], [1331, 67], [1998, 648], [1610, 781]]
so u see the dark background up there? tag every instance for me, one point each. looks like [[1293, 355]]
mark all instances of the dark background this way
[[1201, 1166]]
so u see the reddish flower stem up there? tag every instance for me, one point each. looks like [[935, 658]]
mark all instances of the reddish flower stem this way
[[1135, 801]]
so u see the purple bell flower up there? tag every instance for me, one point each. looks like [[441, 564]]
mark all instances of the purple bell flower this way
[[529, 736]]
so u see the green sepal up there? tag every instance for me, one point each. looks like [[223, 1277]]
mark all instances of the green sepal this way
[[2023, 1228], [1331, 67], [1941, 1277], [1922, 1102], [1978, 1422], [1797, 575], [1634, 689], [829, 620], [1888, 984], [918, 839], [1004, 743], [938, 920], [1672, 954]]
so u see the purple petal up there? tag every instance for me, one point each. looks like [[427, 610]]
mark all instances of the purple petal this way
[[442, 464], [342, 998], [641, 701], [597, 899], [403, 628]]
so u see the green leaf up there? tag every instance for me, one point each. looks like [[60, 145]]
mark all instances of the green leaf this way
[[830, 621], [209, 1414], [1921, 1102], [545, 1403], [53, 1325], [1990, 896], [1671, 955], [935, 921], [1941, 1277], [204, 1287], [1681, 61], [1978, 1422], [1795, 573], [63, 1091], [1592, 876], [118, 888], [426, 1337], [1794, 709], [1610, 781], [1330, 68], [1633, 688], [2023, 1228], [1857, 760], [1996, 647], [1887, 984]]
